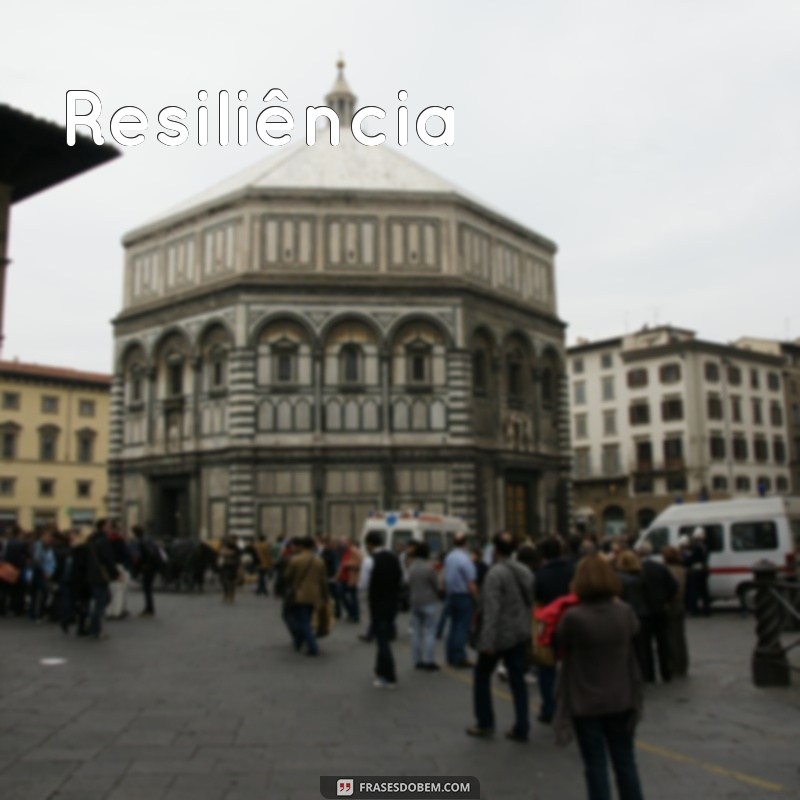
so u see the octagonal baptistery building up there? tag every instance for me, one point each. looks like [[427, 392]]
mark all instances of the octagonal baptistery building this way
[[333, 331]]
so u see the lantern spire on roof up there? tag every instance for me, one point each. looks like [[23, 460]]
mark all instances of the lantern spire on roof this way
[[341, 98]]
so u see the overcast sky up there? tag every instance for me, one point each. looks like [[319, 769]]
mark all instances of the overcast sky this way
[[657, 143]]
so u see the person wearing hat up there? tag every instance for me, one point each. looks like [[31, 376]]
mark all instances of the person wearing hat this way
[[697, 576]]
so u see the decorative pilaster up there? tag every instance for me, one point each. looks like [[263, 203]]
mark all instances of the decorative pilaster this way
[[385, 365], [459, 394], [317, 356], [116, 442], [242, 429], [463, 493], [566, 506], [241, 395], [197, 388], [151, 375]]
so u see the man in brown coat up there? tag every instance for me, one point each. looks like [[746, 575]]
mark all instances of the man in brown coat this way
[[306, 590]]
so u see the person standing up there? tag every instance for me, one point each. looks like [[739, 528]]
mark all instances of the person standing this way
[[423, 587], [629, 572], [307, 587], [148, 565], [676, 614], [17, 553], [600, 689], [697, 579], [383, 592], [347, 578], [553, 580], [330, 557], [229, 560], [660, 587], [504, 634], [263, 556], [118, 605], [43, 565], [101, 570], [80, 590], [461, 591]]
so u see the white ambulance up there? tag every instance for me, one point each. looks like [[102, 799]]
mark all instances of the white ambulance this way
[[739, 534], [401, 527]]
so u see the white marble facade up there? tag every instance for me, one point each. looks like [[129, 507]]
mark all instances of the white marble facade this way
[[333, 331]]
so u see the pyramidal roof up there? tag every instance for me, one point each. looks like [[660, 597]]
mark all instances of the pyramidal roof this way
[[348, 167]]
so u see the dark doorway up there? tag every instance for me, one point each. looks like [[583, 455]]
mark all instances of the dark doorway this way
[[171, 508]]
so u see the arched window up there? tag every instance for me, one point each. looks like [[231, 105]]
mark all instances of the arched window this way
[[217, 369], [418, 361], [351, 364], [514, 375], [174, 375], [136, 383], [284, 362]]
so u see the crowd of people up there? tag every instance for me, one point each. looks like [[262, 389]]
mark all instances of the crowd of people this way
[[587, 622], [77, 578]]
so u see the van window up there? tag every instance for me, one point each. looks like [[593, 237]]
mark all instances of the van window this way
[[400, 539], [658, 539], [747, 536], [795, 523], [715, 536], [434, 541]]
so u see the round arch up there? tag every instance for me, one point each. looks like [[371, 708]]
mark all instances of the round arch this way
[[409, 319], [281, 316], [127, 351], [351, 316], [209, 327], [487, 334], [523, 337]]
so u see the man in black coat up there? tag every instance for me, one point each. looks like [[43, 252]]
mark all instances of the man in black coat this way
[[101, 570], [148, 564], [659, 589], [385, 581]]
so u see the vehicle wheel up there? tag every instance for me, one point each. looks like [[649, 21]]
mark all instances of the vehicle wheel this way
[[747, 598]]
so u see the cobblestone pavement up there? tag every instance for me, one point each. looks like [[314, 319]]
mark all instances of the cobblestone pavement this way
[[207, 702]]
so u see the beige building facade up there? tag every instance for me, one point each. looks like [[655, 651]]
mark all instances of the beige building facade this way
[[660, 416], [53, 445], [789, 351]]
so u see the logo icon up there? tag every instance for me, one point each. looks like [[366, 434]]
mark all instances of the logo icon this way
[[344, 787]]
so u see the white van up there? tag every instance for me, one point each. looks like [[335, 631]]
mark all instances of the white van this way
[[401, 527], [739, 533]]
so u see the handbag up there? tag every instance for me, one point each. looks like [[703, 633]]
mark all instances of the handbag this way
[[324, 619], [543, 654], [8, 573]]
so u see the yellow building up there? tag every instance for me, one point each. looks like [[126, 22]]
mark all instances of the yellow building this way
[[53, 445]]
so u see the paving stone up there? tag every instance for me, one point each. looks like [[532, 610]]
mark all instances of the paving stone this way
[[211, 703]]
